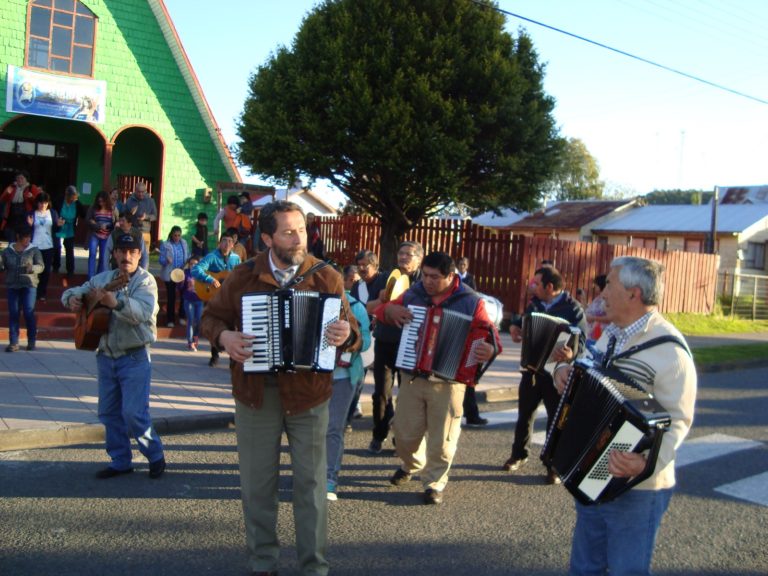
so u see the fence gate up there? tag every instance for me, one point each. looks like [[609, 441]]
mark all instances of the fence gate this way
[[744, 295]]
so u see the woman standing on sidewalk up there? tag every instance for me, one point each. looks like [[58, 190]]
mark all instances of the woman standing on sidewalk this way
[[45, 223], [22, 263]]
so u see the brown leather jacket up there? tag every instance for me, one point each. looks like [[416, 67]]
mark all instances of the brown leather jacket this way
[[299, 391]]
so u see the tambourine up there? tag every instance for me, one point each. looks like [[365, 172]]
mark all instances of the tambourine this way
[[397, 284], [177, 275]]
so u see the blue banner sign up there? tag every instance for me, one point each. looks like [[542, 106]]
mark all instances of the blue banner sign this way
[[67, 97]]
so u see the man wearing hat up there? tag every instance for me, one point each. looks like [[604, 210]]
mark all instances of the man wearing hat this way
[[122, 357]]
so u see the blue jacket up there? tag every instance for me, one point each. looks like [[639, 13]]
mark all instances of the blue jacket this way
[[214, 262], [356, 371]]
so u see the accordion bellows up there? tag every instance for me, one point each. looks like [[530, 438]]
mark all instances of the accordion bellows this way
[[542, 334]]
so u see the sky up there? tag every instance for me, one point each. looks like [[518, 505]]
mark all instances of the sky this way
[[648, 128]]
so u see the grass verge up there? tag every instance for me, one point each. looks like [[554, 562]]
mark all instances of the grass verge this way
[[725, 354], [702, 325]]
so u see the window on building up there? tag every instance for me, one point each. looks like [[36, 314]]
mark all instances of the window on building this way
[[755, 256], [61, 36], [693, 245], [644, 242]]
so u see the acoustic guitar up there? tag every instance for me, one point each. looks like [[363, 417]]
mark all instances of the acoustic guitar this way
[[206, 291], [93, 320]]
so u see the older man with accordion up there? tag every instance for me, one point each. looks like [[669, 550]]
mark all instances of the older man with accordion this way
[[644, 376], [447, 342]]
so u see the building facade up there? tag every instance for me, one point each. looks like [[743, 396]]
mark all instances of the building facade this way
[[100, 94]]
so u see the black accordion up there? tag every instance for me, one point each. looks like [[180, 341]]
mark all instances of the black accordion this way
[[289, 330], [442, 343], [542, 334], [602, 410]]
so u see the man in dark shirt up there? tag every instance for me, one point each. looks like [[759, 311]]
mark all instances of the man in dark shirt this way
[[549, 298]]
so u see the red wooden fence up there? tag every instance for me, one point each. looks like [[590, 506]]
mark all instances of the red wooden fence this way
[[503, 263]]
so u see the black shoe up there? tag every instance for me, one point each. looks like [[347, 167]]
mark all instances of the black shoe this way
[[552, 477], [30, 346], [477, 423], [213, 361], [432, 496], [109, 472], [156, 469], [375, 446], [514, 463], [264, 573], [400, 477], [12, 348]]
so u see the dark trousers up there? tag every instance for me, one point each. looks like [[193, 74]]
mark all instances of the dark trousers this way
[[69, 249], [42, 285], [170, 303], [534, 388], [471, 411], [384, 357]]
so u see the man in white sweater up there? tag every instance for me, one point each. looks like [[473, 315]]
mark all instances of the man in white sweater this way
[[618, 537]]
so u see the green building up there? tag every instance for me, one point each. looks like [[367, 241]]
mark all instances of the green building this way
[[100, 94]]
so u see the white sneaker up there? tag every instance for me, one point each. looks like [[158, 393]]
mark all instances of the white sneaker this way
[[170, 325], [332, 497]]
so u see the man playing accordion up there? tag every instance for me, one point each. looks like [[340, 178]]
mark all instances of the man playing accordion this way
[[428, 405], [618, 536], [549, 297]]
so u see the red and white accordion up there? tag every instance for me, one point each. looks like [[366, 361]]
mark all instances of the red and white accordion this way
[[542, 334], [442, 343]]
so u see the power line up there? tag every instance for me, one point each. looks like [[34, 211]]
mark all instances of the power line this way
[[623, 53]]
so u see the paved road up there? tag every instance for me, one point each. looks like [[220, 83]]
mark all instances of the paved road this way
[[57, 519]]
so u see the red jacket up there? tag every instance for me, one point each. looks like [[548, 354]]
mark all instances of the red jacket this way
[[30, 193]]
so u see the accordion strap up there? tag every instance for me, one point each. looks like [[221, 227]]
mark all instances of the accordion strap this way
[[650, 344], [299, 278]]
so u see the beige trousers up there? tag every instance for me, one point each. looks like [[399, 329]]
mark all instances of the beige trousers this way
[[432, 409]]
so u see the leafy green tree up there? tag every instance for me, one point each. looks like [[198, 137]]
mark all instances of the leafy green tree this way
[[406, 106], [678, 196], [577, 176]]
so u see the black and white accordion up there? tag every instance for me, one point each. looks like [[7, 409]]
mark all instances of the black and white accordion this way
[[289, 330], [542, 334], [602, 410], [442, 343]]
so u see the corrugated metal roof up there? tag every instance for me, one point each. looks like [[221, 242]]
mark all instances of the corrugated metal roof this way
[[731, 218], [504, 220], [569, 215]]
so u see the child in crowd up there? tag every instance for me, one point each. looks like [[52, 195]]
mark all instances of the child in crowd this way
[[200, 237], [193, 306]]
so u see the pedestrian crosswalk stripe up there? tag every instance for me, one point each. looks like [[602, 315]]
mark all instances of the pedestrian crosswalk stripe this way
[[711, 446], [753, 489], [509, 416]]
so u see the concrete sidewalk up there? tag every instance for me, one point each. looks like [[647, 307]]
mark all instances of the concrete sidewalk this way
[[49, 397]]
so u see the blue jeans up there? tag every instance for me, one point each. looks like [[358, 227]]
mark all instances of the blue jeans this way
[[23, 298], [193, 310], [93, 243], [618, 537], [124, 407], [338, 408]]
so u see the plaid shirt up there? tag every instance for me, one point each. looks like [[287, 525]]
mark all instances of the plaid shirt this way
[[623, 335]]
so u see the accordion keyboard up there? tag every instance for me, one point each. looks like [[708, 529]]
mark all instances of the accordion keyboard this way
[[407, 351]]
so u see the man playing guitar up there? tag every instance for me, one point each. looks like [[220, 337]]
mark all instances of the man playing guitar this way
[[210, 272], [122, 357]]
